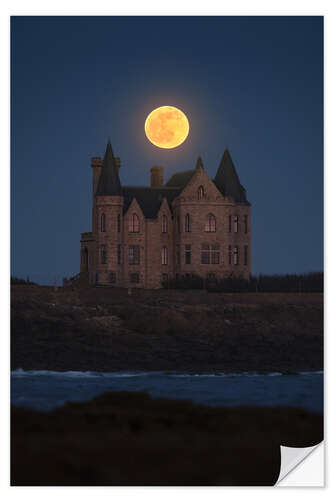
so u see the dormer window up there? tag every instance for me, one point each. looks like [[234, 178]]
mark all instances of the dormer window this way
[[201, 193], [134, 224]]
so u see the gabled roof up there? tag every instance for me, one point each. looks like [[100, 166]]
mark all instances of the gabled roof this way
[[227, 181], [149, 198], [109, 183], [181, 179]]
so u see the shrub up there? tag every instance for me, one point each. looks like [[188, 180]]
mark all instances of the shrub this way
[[288, 283], [19, 281]]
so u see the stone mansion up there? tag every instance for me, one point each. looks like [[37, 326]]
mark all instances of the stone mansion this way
[[143, 236]]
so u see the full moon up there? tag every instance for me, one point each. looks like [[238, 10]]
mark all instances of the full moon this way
[[167, 127]]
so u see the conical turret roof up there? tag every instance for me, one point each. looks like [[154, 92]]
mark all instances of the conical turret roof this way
[[227, 181], [109, 183], [199, 163]]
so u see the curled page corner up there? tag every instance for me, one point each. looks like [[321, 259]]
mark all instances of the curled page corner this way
[[291, 458]]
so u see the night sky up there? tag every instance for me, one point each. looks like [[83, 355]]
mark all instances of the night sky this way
[[254, 84]]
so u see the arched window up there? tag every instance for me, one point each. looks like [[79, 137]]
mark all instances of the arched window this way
[[103, 225], [164, 256], [210, 225], [236, 223], [134, 224], [187, 223], [201, 192], [164, 224], [118, 223]]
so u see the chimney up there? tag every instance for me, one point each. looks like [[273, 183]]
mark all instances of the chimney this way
[[156, 176], [117, 162]]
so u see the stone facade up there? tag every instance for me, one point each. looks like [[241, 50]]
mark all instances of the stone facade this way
[[190, 225]]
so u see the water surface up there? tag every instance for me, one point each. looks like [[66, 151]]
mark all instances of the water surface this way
[[45, 390]]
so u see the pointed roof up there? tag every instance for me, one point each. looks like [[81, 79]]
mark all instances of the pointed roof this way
[[227, 181], [109, 183], [199, 163]]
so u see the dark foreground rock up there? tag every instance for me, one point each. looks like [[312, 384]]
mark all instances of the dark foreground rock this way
[[107, 330], [132, 439]]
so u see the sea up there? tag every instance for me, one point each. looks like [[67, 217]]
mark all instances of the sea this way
[[45, 390]]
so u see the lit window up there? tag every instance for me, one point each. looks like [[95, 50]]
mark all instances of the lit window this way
[[235, 256], [187, 223], [187, 254], [134, 224], [215, 253], [210, 254], [210, 225], [201, 193], [103, 225], [236, 224], [164, 256], [205, 254], [103, 254], [164, 224], [134, 254]]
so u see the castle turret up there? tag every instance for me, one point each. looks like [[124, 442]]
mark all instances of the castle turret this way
[[109, 183], [109, 221], [96, 165], [227, 181]]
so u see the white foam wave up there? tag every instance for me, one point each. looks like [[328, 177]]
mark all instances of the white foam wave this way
[[78, 374], [19, 372]]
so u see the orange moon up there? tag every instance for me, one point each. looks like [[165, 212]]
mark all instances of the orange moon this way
[[167, 127]]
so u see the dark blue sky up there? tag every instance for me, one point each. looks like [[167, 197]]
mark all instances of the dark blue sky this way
[[252, 83]]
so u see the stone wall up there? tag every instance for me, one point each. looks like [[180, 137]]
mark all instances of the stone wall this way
[[152, 237]]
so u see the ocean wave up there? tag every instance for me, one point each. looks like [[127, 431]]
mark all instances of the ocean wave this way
[[79, 374], [19, 372]]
